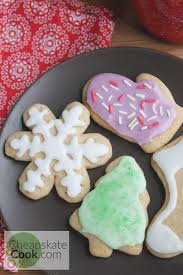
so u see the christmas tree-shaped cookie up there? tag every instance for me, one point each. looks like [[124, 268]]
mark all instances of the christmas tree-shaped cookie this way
[[114, 214]]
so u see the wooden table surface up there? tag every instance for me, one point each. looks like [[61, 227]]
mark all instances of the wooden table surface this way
[[128, 32]]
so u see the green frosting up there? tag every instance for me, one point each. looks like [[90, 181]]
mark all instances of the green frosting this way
[[112, 211]]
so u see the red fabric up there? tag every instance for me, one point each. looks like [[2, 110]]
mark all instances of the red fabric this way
[[35, 36], [163, 18]]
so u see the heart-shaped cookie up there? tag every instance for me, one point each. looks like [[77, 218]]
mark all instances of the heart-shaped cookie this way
[[143, 112]]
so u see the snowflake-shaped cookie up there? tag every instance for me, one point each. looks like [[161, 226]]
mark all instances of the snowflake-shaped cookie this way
[[59, 152]]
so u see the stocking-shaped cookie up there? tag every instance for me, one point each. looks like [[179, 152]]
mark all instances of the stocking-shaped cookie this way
[[114, 214], [165, 233], [59, 152], [143, 112]]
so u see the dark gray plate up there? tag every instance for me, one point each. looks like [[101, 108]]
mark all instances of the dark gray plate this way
[[58, 87]]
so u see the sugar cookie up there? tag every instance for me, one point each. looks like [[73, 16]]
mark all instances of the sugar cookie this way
[[143, 112], [165, 233], [114, 214], [58, 151]]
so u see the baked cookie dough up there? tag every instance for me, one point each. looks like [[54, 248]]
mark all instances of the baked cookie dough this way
[[165, 233], [114, 214], [58, 151], [143, 112]]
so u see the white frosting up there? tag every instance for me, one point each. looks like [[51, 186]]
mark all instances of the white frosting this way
[[69, 157], [160, 237], [20, 145]]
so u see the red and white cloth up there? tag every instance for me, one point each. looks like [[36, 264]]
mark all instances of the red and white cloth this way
[[36, 35]]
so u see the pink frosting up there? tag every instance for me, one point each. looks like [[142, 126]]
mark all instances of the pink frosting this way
[[135, 110]]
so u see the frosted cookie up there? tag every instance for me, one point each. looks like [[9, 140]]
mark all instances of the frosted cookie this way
[[114, 214], [165, 233], [143, 112], [58, 151]]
